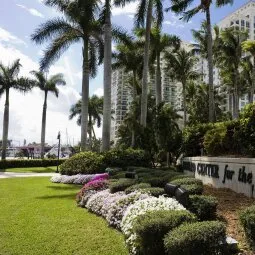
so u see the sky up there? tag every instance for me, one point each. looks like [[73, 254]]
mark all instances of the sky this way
[[18, 20]]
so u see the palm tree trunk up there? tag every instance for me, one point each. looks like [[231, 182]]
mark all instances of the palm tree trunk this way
[[133, 138], [90, 132], [5, 124], [43, 131], [210, 66], [144, 99], [134, 85], [253, 83], [107, 80], [158, 81], [236, 97], [94, 134], [184, 103], [230, 99], [85, 96]]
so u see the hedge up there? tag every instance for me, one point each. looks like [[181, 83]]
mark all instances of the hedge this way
[[154, 191], [153, 226], [204, 207], [20, 163], [203, 238], [247, 219], [137, 187], [187, 181], [83, 163], [121, 184]]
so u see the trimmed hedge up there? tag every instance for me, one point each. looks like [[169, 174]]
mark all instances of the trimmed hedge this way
[[137, 187], [153, 226], [187, 181], [247, 219], [20, 163], [121, 184], [83, 163], [125, 158], [204, 207], [154, 191], [203, 238], [193, 189]]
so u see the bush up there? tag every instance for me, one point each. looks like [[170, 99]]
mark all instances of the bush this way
[[113, 170], [154, 191], [204, 207], [193, 189], [160, 181], [187, 181], [137, 187], [247, 219], [125, 158], [20, 163], [121, 184], [201, 238], [83, 163], [153, 226]]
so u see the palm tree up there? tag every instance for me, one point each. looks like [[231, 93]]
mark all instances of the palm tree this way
[[246, 77], [47, 85], [181, 68], [180, 7], [95, 112], [9, 80], [159, 43], [229, 60], [144, 15], [79, 25], [249, 46]]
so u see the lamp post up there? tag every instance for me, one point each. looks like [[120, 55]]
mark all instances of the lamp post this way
[[58, 137]]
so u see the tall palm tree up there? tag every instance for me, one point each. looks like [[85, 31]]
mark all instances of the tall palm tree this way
[[249, 46], [9, 80], [181, 67], [78, 25], [95, 112], [246, 77], [159, 43], [47, 85], [144, 15], [229, 59], [181, 7]]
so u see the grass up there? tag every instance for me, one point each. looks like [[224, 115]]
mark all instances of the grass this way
[[39, 217], [49, 169]]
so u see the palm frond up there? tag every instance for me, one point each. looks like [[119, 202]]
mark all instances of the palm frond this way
[[139, 16]]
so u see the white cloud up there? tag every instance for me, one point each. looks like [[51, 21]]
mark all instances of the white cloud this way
[[129, 9], [32, 11], [6, 36], [175, 21], [99, 92]]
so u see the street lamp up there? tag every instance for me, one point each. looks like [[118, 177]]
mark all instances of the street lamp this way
[[58, 137]]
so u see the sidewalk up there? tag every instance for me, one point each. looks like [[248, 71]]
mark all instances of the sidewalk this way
[[13, 175]]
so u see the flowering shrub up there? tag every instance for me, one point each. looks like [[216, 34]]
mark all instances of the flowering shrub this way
[[139, 208], [117, 211], [75, 179], [87, 189], [104, 176]]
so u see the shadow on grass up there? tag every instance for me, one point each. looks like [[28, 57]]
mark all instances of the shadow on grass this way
[[2, 170], [67, 187], [65, 196]]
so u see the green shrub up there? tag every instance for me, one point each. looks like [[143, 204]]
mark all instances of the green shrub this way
[[193, 189], [121, 184], [23, 163], [155, 181], [154, 191], [137, 187], [204, 207], [113, 170], [187, 181], [153, 226], [203, 238], [247, 219], [83, 163], [125, 158]]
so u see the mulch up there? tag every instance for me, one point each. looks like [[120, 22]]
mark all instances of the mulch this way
[[229, 206]]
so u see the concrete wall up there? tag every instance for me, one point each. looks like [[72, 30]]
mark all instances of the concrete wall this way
[[237, 174]]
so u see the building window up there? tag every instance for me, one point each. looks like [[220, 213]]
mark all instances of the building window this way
[[242, 23]]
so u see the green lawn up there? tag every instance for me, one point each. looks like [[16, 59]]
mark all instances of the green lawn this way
[[49, 169], [39, 217]]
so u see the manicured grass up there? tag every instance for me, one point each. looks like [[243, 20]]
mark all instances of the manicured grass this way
[[39, 217], [49, 169]]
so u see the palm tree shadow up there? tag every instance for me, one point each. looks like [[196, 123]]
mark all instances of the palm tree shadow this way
[[64, 196]]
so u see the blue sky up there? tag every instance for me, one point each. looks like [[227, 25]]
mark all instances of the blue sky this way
[[18, 20]]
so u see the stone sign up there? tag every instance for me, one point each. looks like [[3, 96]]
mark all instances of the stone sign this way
[[237, 174]]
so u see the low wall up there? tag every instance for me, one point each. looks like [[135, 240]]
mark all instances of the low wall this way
[[237, 174]]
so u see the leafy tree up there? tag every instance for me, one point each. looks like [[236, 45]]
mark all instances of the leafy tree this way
[[246, 78], [79, 24], [9, 80], [181, 67], [47, 85], [95, 112], [229, 60], [182, 7]]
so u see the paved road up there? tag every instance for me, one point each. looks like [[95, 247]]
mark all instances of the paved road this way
[[13, 175]]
